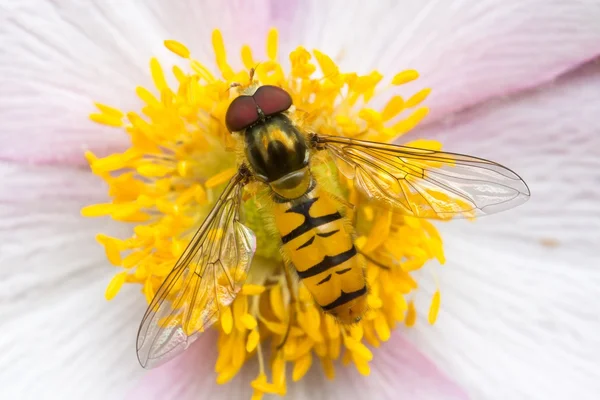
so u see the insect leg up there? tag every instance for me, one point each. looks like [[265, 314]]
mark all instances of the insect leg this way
[[372, 260], [288, 281]]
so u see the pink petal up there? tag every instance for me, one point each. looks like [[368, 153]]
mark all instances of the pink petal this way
[[466, 51], [192, 375], [39, 185], [519, 311], [60, 337], [60, 58], [398, 370]]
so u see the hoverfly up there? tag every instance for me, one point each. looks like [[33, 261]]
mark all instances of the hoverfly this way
[[315, 238]]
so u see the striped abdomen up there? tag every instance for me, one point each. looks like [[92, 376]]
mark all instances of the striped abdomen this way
[[317, 241]]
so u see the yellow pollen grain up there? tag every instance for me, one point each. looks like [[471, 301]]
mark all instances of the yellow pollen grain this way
[[227, 320], [272, 44], [327, 65], [247, 58], [382, 328], [219, 46], [134, 258], [202, 71], [257, 395], [392, 108], [179, 74], [411, 314], [301, 367], [177, 48], [97, 210], [417, 98], [154, 170], [157, 75], [279, 374], [227, 374], [357, 347], [106, 119], [276, 301], [374, 301], [361, 365], [328, 368], [409, 123], [252, 342], [434, 308], [404, 77], [262, 385], [249, 321], [115, 285], [252, 290], [109, 111], [220, 178], [147, 97], [356, 332], [111, 248], [221, 55]]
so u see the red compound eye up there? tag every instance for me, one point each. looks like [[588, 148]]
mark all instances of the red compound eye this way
[[241, 113], [272, 99]]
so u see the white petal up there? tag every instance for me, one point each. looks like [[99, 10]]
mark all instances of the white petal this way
[[45, 186], [60, 337], [58, 58], [519, 316], [466, 51]]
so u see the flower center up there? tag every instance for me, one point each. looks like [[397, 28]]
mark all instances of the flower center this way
[[179, 161]]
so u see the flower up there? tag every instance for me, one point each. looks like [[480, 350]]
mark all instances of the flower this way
[[521, 313], [170, 177]]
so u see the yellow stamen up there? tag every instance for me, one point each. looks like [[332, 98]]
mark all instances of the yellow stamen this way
[[115, 285], [157, 75], [110, 111], [404, 77], [251, 290], [220, 178], [180, 157], [411, 314], [177, 48], [434, 308], [227, 321], [417, 98], [393, 107], [272, 44], [106, 119]]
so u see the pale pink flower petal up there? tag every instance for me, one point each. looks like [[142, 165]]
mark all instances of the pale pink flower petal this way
[[518, 319], [519, 315], [58, 58], [42, 185], [60, 337], [466, 51], [398, 369]]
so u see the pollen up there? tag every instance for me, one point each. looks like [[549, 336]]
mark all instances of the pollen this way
[[179, 160]]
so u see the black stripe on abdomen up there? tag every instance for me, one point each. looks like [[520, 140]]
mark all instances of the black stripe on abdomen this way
[[327, 263], [309, 222], [344, 298]]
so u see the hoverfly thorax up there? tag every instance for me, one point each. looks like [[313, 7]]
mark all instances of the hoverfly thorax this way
[[274, 148]]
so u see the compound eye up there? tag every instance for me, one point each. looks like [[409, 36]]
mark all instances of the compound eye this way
[[272, 99], [241, 113]]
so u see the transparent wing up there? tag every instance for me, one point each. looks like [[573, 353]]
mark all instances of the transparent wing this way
[[207, 277], [425, 183]]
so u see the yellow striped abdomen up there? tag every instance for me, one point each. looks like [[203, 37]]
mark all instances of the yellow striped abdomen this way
[[317, 241]]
